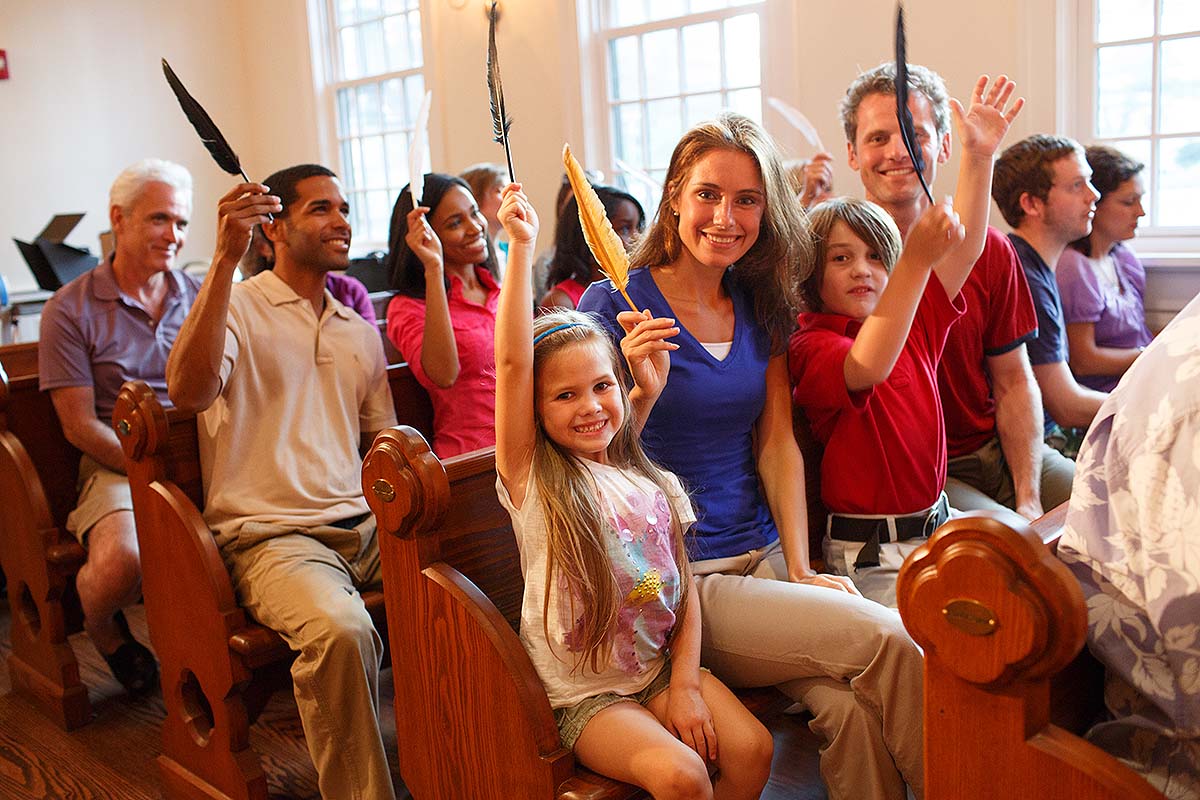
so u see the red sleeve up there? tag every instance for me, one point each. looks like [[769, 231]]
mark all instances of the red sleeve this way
[[406, 330], [936, 312], [1011, 318]]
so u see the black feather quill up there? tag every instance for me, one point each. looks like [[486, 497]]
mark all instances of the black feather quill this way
[[501, 121], [907, 132], [210, 135]]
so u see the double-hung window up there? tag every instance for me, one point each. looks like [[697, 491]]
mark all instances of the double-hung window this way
[[1140, 92], [666, 65], [376, 67]]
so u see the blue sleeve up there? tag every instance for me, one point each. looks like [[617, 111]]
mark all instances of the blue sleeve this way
[[1050, 344], [599, 301]]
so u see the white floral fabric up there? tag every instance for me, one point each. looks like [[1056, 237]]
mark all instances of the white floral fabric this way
[[1132, 538]]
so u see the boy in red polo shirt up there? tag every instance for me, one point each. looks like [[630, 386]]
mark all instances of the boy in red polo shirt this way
[[864, 360]]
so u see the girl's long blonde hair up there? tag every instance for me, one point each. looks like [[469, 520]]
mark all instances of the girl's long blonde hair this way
[[576, 523]]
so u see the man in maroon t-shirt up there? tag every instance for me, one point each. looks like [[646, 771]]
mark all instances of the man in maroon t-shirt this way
[[989, 397]]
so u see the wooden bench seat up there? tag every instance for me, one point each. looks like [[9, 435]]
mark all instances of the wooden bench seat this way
[[38, 471], [219, 667], [1007, 692], [473, 715]]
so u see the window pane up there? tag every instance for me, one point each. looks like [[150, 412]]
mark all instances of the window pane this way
[[1123, 81], [702, 57], [666, 126], [393, 105], [1179, 16], [1124, 19], [351, 66], [415, 54], [1179, 102], [414, 95], [347, 164], [355, 168], [358, 216], [623, 60], [627, 12], [396, 145], [1178, 177], [370, 117], [748, 102], [395, 35], [701, 108], [627, 134], [394, 6], [1139, 150], [379, 215], [666, 9], [374, 54], [742, 45], [661, 50], [369, 9], [374, 169], [347, 120], [347, 12], [706, 5]]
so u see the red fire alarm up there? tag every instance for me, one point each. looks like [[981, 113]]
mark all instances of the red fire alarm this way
[[3, 65]]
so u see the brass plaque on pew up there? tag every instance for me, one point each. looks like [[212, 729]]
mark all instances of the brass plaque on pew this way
[[971, 617]]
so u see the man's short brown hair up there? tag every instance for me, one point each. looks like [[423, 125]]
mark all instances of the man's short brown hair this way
[[882, 80], [1027, 168]]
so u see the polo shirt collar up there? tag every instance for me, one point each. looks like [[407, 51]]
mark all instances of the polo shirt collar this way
[[105, 287], [838, 323], [279, 293]]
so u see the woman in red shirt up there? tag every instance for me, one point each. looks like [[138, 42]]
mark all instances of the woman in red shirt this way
[[443, 317]]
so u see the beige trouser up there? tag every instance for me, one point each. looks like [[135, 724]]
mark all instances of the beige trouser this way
[[846, 659], [304, 584], [982, 481]]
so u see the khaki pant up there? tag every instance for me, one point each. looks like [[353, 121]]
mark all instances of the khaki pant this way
[[846, 659], [304, 584], [980, 481]]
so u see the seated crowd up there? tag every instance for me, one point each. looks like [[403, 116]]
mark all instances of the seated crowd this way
[[646, 453]]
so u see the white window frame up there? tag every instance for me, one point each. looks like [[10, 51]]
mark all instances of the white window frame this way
[[326, 58], [779, 29], [1157, 246]]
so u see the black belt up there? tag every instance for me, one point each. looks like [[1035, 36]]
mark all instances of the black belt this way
[[870, 531], [350, 523]]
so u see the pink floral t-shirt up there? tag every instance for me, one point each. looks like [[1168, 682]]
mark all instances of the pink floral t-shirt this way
[[639, 541]]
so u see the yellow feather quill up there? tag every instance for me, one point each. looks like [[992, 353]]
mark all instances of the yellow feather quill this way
[[607, 248]]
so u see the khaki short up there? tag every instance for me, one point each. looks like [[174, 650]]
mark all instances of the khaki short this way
[[572, 719], [101, 492]]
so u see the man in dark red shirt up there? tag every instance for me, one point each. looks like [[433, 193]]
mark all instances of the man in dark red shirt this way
[[990, 399]]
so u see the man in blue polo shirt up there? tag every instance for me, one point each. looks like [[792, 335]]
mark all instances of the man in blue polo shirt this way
[[114, 324], [1042, 185]]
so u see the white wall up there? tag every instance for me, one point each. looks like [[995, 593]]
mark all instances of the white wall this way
[[87, 96]]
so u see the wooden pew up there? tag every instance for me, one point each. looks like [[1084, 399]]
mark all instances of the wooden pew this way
[[473, 717], [999, 617], [38, 471], [219, 668]]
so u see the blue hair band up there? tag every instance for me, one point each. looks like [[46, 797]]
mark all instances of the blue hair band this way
[[556, 329]]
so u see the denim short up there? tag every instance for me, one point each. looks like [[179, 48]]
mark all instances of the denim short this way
[[572, 719]]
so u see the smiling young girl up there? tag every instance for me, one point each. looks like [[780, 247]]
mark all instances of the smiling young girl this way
[[443, 317], [610, 616]]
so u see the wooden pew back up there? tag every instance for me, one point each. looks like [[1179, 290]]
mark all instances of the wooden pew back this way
[[38, 470], [219, 668], [998, 617]]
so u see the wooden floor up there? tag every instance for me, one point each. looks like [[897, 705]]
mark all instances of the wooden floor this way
[[113, 755]]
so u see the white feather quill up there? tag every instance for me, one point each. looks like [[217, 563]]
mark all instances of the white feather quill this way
[[416, 151], [798, 121]]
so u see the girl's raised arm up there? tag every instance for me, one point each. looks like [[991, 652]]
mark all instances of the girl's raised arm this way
[[515, 424]]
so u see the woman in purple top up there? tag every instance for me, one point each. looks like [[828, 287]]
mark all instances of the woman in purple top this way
[[1102, 283]]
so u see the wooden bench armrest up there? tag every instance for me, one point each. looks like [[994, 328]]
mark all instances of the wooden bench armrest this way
[[998, 615]]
